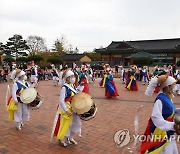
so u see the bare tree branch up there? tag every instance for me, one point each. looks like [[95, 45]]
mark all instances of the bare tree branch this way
[[36, 44]]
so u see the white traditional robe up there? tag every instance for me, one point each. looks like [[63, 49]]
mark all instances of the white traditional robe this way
[[23, 112], [162, 124], [76, 121]]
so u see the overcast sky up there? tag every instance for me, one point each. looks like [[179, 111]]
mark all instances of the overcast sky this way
[[89, 24]]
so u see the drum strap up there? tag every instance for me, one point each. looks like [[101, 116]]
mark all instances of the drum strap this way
[[23, 84], [71, 88], [19, 93]]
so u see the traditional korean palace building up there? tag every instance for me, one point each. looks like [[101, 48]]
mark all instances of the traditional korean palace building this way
[[163, 51]]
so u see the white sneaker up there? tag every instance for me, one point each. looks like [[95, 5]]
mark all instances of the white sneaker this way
[[18, 127], [63, 143], [72, 141], [22, 124]]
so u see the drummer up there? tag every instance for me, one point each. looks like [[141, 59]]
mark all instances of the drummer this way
[[22, 112], [67, 123]]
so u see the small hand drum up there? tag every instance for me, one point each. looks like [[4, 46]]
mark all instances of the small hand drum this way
[[83, 105], [90, 114], [36, 103]]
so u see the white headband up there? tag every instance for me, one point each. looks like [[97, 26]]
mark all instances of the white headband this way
[[169, 81], [153, 83], [68, 73], [20, 74]]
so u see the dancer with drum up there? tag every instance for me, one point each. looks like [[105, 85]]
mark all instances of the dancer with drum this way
[[18, 111], [161, 126], [67, 123]]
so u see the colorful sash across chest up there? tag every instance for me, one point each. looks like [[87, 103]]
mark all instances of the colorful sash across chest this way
[[157, 139], [21, 87]]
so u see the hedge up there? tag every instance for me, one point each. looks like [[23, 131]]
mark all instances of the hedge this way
[[55, 60]]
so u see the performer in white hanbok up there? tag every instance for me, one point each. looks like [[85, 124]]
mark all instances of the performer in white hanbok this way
[[18, 111], [67, 123], [13, 72], [161, 126], [145, 77], [34, 75], [55, 75], [123, 74], [61, 81]]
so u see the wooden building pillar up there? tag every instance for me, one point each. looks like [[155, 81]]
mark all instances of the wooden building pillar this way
[[131, 61], [174, 59]]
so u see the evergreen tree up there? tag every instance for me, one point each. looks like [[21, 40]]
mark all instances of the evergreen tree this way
[[1, 46], [14, 45]]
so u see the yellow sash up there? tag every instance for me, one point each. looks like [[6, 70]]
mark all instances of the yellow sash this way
[[131, 79], [65, 121], [104, 81], [11, 108]]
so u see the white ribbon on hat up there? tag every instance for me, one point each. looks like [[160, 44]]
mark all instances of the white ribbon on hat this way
[[20, 74]]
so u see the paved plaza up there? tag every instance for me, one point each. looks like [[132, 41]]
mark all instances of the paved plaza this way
[[97, 134]]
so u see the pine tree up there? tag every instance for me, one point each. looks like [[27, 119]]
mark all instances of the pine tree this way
[[15, 45]]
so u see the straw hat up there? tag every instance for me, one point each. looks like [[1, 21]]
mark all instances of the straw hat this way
[[81, 103], [28, 95]]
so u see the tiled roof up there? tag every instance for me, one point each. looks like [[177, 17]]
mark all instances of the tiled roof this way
[[141, 45]]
